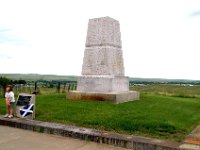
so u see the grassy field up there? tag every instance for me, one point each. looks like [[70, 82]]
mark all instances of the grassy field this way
[[154, 115], [170, 90]]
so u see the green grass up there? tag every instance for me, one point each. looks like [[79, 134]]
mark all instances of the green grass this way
[[156, 116], [170, 90]]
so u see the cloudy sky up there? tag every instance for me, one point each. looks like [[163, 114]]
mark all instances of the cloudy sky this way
[[160, 38]]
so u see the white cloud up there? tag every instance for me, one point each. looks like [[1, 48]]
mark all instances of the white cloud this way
[[159, 39]]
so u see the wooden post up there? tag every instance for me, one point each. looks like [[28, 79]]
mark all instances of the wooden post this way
[[64, 88], [58, 87], [68, 87], [35, 86]]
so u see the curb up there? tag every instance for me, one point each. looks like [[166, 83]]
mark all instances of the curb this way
[[118, 140]]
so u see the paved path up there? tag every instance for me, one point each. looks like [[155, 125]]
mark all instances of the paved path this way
[[18, 139], [192, 141]]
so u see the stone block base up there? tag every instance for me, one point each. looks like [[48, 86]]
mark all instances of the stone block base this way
[[103, 84], [117, 97]]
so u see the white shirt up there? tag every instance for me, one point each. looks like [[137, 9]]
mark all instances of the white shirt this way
[[10, 95]]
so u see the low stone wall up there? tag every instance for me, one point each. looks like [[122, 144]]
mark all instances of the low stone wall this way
[[119, 140]]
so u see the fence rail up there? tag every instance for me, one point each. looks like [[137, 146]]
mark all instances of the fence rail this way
[[41, 89]]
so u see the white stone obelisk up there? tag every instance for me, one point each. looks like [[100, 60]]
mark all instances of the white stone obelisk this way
[[103, 68]]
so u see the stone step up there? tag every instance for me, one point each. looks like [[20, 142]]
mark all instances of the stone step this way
[[189, 147]]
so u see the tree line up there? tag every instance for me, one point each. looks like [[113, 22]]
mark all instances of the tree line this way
[[5, 81]]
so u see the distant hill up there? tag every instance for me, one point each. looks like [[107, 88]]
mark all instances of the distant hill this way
[[160, 79], [163, 81], [36, 77]]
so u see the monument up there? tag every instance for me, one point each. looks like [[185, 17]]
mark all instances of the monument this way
[[103, 69], [25, 106]]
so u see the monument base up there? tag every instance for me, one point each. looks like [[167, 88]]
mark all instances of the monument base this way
[[116, 97], [103, 84]]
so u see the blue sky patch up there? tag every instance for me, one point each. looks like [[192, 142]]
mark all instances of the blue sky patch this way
[[195, 14]]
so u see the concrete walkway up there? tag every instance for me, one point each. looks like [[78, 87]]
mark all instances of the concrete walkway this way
[[18, 139], [192, 141]]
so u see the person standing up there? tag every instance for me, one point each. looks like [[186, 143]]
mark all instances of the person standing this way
[[10, 102]]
